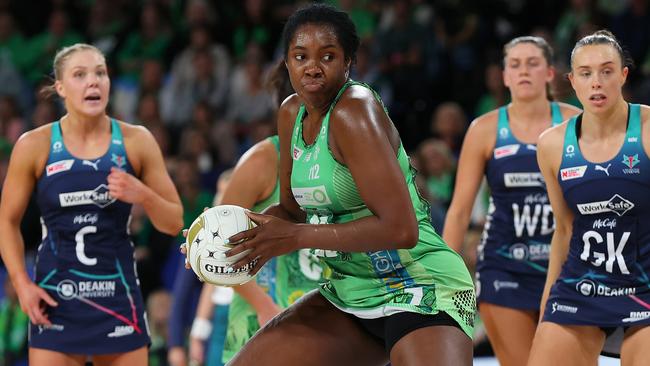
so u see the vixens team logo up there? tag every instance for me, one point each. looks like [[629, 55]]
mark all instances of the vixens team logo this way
[[119, 160], [631, 161]]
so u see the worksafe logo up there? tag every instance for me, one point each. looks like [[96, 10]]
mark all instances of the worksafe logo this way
[[616, 204], [99, 196], [523, 179]]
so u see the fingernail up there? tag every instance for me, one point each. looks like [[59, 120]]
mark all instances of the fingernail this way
[[226, 241], [227, 253], [229, 270]]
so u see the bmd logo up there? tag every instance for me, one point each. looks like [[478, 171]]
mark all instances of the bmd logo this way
[[99, 196]]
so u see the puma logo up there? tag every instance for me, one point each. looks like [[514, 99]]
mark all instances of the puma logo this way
[[90, 163], [599, 167]]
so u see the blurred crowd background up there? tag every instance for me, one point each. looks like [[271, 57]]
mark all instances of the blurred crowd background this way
[[195, 73]]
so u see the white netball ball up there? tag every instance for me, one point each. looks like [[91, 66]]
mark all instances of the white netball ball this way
[[206, 249]]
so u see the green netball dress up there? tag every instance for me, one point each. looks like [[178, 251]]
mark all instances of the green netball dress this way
[[285, 279], [426, 279]]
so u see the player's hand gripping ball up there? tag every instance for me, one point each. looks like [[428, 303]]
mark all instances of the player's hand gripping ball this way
[[206, 251]]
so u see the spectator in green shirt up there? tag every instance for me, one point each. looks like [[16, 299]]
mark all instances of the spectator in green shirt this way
[[149, 42], [42, 47], [13, 328]]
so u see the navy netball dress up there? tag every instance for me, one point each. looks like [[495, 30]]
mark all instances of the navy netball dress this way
[[604, 281], [85, 261], [513, 252]]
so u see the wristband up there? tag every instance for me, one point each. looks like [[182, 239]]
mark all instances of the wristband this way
[[201, 329], [222, 295]]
